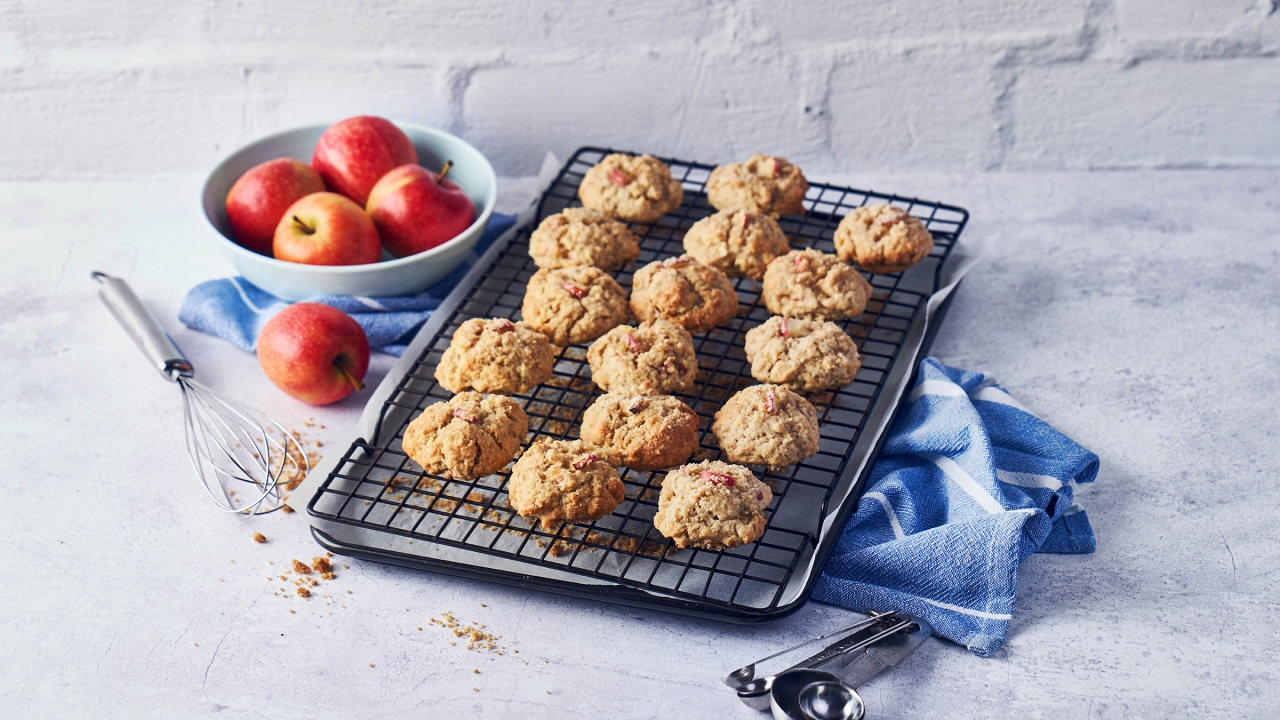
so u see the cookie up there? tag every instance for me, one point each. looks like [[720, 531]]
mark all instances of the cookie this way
[[684, 291], [495, 356], [575, 304], [581, 236], [764, 184], [810, 284], [882, 238], [467, 437], [712, 505], [739, 243], [656, 358], [635, 188], [643, 432], [766, 425], [559, 481], [804, 355]]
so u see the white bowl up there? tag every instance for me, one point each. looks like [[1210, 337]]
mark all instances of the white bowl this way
[[393, 276]]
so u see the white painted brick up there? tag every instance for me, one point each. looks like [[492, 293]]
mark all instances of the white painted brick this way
[[802, 23], [1147, 18], [916, 111], [1155, 114]]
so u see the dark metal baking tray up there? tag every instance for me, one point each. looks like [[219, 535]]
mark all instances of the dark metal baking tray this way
[[398, 514]]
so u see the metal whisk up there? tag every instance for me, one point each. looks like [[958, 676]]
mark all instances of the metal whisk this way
[[232, 447]]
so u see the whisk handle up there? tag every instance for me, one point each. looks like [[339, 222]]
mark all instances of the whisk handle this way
[[142, 326]]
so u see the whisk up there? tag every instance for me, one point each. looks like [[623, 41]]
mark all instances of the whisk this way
[[231, 446]]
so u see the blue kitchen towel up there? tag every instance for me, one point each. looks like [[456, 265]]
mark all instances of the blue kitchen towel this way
[[968, 485], [235, 310]]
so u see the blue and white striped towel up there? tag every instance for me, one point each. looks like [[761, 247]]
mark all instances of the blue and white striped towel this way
[[235, 310], [968, 485]]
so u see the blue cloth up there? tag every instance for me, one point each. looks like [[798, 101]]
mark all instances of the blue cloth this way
[[235, 310], [968, 485]]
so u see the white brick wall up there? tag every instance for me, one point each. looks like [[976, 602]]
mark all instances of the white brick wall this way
[[91, 88]]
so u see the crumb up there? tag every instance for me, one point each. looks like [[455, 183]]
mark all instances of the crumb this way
[[328, 576], [321, 565], [291, 610], [346, 567], [483, 605], [328, 554], [475, 689], [476, 671], [301, 567], [548, 692], [259, 537], [315, 583], [348, 592], [198, 645], [452, 642], [419, 627], [303, 592], [370, 664], [286, 509]]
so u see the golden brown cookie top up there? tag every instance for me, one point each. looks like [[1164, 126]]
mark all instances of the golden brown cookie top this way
[[764, 183], [738, 242], [656, 358], [581, 236], [643, 432], [574, 305], [635, 188], [468, 436], [559, 481], [767, 425], [684, 291], [811, 284], [804, 355], [882, 238], [495, 356], [712, 505]]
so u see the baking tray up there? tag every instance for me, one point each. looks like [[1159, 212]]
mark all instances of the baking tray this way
[[377, 504]]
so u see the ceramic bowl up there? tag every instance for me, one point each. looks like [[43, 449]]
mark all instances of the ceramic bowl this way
[[393, 276]]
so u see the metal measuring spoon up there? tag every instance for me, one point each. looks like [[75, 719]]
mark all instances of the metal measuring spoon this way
[[824, 700], [805, 694], [738, 679]]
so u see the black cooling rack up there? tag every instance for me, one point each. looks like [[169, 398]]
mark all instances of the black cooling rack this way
[[377, 487]]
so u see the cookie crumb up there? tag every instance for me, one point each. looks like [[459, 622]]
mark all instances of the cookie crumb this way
[[321, 565], [286, 509], [370, 664], [259, 537], [476, 671], [292, 611], [303, 592], [301, 567], [196, 644]]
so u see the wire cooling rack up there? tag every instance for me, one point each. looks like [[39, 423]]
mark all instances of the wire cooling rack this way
[[376, 487]]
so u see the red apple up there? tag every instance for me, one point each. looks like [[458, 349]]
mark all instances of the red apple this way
[[353, 154], [259, 198], [326, 229], [414, 209], [313, 352]]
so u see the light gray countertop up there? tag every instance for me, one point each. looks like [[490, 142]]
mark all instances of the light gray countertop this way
[[1137, 312]]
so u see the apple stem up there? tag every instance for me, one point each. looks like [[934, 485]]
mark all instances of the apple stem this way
[[342, 369], [303, 226], [444, 171]]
